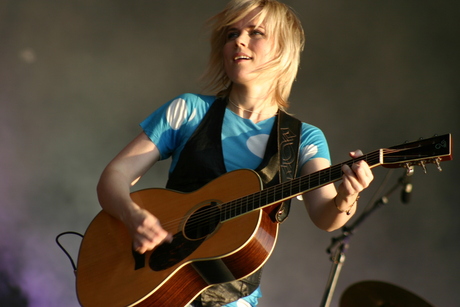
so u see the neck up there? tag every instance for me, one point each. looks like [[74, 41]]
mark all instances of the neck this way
[[252, 103]]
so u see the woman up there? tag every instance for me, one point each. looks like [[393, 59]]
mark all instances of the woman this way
[[255, 54]]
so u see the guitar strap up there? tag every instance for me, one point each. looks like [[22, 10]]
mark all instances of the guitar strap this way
[[289, 130], [281, 156]]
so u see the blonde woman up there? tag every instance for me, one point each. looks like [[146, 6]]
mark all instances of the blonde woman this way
[[255, 52]]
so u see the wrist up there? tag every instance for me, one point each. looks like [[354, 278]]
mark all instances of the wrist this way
[[129, 211], [348, 209]]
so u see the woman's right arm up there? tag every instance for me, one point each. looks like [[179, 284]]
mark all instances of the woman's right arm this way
[[113, 192]]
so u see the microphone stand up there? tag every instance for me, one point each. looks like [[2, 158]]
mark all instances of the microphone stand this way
[[339, 245]]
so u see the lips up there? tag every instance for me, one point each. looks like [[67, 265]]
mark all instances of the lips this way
[[241, 56]]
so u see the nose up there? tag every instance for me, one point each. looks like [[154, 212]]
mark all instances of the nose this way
[[241, 40]]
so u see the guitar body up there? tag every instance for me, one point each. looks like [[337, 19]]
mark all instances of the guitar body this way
[[110, 274]]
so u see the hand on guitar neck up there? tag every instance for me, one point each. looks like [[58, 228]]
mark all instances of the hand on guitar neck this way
[[355, 179]]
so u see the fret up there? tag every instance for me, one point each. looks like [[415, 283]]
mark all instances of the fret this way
[[286, 190], [249, 200], [223, 213], [238, 208], [324, 176], [254, 203]]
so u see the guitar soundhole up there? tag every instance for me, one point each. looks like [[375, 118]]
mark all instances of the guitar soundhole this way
[[202, 222], [199, 225]]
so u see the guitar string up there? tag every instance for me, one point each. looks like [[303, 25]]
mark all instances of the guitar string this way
[[274, 194], [267, 195], [229, 207], [270, 195], [237, 203]]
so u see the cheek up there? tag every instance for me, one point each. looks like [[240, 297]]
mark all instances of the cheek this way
[[227, 53], [265, 49], [227, 50]]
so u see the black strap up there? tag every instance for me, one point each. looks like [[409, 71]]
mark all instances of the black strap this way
[[193, 170], [289, 130]]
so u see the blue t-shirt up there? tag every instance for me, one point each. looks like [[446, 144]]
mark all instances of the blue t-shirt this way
[[243, 141]]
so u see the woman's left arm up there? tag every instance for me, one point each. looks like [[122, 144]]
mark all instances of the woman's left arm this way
[[330, 208]]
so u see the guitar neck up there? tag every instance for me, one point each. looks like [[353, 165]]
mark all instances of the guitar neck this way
[[293, 188]]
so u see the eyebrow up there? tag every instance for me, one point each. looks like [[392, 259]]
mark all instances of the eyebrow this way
[[250, 27]]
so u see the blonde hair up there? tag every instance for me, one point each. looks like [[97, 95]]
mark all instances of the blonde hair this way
[[281, 23]]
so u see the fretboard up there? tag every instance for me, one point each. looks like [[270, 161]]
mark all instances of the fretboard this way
[[292, 188]]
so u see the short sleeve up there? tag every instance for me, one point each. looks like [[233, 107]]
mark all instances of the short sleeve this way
[[170, 126], [313, 144]]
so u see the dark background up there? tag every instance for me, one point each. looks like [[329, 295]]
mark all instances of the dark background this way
[[76, 78]]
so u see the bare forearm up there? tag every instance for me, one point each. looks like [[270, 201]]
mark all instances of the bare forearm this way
[[113, 192], [333, 213], [330, 208]]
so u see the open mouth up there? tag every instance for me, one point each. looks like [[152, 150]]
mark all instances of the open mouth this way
[[242, 57]]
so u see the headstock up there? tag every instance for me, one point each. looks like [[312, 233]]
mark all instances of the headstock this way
[[424, 151]]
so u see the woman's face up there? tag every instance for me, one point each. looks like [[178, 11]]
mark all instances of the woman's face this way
[[246, 50]]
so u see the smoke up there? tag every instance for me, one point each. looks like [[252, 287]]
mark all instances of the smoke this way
[[77, 77]]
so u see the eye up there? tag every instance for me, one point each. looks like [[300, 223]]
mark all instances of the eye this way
[[257, 32], [232, 35]]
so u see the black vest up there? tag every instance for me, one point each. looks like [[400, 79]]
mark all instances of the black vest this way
[[202, 160]]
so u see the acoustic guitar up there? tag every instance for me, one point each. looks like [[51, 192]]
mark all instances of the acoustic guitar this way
[[222, 232]]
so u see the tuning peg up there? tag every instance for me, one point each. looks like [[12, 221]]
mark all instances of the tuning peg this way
[[423, 165], [438, 164], [409, 169]]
